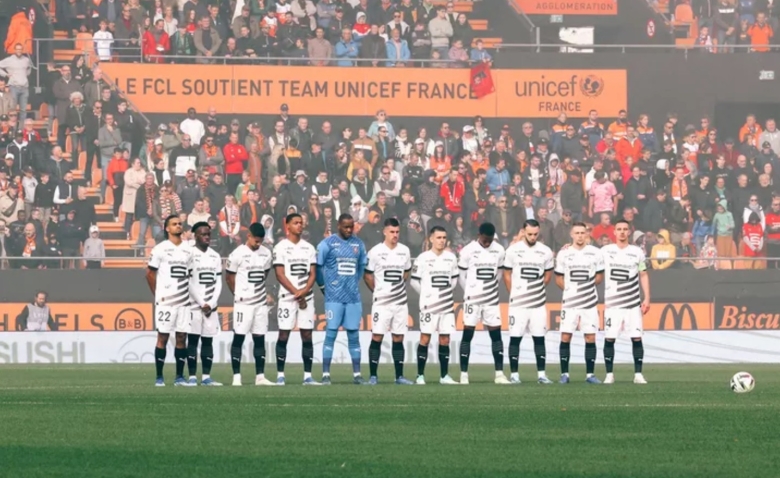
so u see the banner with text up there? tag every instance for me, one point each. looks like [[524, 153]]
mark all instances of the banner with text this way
[[96, 317], [356, 91], [138, 347], [567, 7]]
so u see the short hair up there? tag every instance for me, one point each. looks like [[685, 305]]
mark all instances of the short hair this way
[[579, 224], [290, 217], [487, 229], [530, 223], [257, 230], [623, 221], [165, 224], [436, 229], [346, 217], [392, 222], [198, 225]]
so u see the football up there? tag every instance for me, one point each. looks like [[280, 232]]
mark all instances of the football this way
[[742, 382]]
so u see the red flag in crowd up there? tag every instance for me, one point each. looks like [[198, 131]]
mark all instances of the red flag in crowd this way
[[482, 80]]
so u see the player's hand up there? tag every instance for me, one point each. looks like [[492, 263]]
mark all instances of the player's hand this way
[[206, 309], [302, 304], [645, 307]]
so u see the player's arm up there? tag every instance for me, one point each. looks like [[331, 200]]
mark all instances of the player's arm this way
[[548, 274], [549, 267], [151, 270], [600, 269], [230, 273], [559, 272], [644, 283], [507, 278], [217, 291], [408, 268], [463, 270], [599, 277], [368, 270], [310, 282], [283, 280], [322, 254]]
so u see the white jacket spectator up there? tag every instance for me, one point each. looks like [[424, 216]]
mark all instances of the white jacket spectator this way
[[103, 43], [441, 31]]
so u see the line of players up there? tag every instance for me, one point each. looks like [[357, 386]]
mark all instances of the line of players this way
[[186, 283]]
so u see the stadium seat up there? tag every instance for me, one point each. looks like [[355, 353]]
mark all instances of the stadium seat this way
[[479, 25]]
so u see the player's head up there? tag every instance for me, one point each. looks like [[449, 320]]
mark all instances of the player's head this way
[[40, 298], [438, 237], [346, 226], [172, 227], [622, 231], [255, 236], [487, 232], [579, 234], [392, 230], [531, 229], [202, 232], [294, 223]]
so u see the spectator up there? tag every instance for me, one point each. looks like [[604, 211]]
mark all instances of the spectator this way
[[703, 227], [319, 48], [193, 127], [44, 196], [337, 25], [374, 129], [398, 23], [479, 54], [170, 23], [346, 49], [421, 42], [11, 203], [397, 50], [229, 225], [183, 158], [115, 175], [663, 253], [603, 196], [109, 139], [441, 31], [498, 179], [562, 231], [20, 153], [104, 41], [17, 69], [30, 248], [219, 24], [686, 252], [134, 179], [147, 210], [236, 157], [760, 34], [70, 234], [182, 44], [504, 220], [753, 207], [94, 249], [156, 43], [7, 101], [63, 88], [29, 185], [75, 121], [326, 10], [207, 41], [603, 228], [771, 135], [458, 55]]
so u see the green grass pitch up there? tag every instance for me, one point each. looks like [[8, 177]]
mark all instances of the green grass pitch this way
[[109, 421]]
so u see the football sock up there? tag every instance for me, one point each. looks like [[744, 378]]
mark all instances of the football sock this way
[[514, 353], [281, 355], [540, 350], [444, 359], [308, 356], [639, 354], [235, 352], [259, 353], [192, 354], [181, 359], [374, 350], [207, 354], [564, 351], [590, 358], [609, 355], [159, 360], [498, 349], [422, 358], [398, 359], [353, 342], [465, 348], [327, 350]]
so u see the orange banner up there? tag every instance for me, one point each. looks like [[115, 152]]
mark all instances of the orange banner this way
[[333, 91], [138, 317], [567, 7]]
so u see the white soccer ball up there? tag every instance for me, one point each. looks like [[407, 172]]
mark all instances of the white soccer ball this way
[[742, 382]]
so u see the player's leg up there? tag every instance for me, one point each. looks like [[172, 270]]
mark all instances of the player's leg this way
[[399, 325], [286, 315], [334, 316], [634, 324], [209, 330], [259, 331], [589, 325], [353, 316], [422, 355], [159, 357], [380, 325], [193, 339], [446, 327], [183, 324], [568, 326], [518, 322], [471, 316], [242, 323], [491, 317], [305, 320], [538, 328], [613, 322]]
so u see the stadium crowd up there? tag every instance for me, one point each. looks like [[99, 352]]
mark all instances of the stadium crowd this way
[[290, 32]]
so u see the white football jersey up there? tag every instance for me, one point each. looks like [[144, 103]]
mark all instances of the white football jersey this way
[[251, 270], [205, 277], [297, 260], [438, 276], [388, 266], [621, 276], [172, 265], [481, 266], [529, 266], [579, 269]]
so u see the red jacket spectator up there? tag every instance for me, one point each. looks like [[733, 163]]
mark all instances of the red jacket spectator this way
[[603, 145], [772, 221], [600, 230], [235, 156], [156, 43], [452, 192], [116, 170], [752, 234], [626, 147]]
